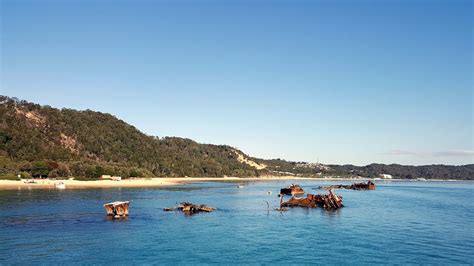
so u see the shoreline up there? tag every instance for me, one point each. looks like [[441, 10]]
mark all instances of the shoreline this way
[[142, 182], [166, 182]]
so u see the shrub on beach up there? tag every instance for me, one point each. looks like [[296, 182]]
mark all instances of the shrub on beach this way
[[25, 175], [9, 177]]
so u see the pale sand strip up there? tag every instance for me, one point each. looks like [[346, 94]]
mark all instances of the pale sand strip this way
[[152, 182], [138, 182]]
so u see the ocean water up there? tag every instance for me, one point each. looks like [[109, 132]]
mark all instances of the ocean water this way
[[399, 222]]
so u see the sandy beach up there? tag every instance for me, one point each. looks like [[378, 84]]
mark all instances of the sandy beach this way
[[136, 182], [72, 184]]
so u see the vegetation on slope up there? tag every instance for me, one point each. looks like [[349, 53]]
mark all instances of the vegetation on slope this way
[[45, 141], [465, 172], [41, 141]]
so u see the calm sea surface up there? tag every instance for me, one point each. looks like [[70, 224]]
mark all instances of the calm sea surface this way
[[400, 222]]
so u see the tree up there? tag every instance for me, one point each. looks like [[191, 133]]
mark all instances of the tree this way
[[40, 169], [135, 173], [63, 170]]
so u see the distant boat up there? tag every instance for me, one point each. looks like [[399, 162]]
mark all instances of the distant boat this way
[[240, 186], [60, 185], [421, 179]]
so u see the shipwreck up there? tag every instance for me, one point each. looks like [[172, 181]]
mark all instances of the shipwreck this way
[[292, 190], [189, 208], [356, 186], [117, 209], [326, 201]]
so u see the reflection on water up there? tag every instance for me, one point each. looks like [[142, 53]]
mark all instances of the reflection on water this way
[[400, 222], [120, 220], [332, 213]]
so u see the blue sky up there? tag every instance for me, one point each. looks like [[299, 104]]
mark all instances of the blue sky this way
[[335, 81]]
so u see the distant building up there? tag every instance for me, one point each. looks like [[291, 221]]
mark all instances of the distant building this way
[[116, 178], [385, 176], [105, 177]]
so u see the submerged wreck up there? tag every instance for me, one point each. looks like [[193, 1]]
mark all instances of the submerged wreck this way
[[326, 201], [189, 208], [356, 186], [292, 190], [117, 209]]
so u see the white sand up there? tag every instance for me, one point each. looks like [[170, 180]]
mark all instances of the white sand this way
[[46, 183], [139, 182]]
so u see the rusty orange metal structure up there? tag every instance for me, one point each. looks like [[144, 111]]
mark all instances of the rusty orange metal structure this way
[[190, 209], [292, 190], [356, 186], [117, 209], [326, 201]]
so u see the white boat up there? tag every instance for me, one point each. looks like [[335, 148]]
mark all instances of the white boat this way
[[60, 185]]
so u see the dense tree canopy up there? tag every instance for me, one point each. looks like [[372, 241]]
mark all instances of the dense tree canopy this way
[[88, 144], [44, 141]]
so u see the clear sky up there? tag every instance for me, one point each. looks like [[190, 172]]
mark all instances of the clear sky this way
[[339, 81]]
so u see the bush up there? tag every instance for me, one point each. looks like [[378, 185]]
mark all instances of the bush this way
[[9, 177], [90, 171], [25, 175], [53, 173], [63, 170], [26, 166], [80, 178], [135, 173]]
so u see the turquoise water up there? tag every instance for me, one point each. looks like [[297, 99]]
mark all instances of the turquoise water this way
[[400, 222]]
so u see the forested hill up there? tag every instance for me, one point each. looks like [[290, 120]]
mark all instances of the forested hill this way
[[43, 141], [48, 141], [436, 171]]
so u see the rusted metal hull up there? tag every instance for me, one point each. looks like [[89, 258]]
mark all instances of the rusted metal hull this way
[[118, 209], [326, 201], [189, 208], [292, 190], [356, 186], [363, 186]]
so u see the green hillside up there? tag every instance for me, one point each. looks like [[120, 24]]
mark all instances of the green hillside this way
[[43, 141]]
